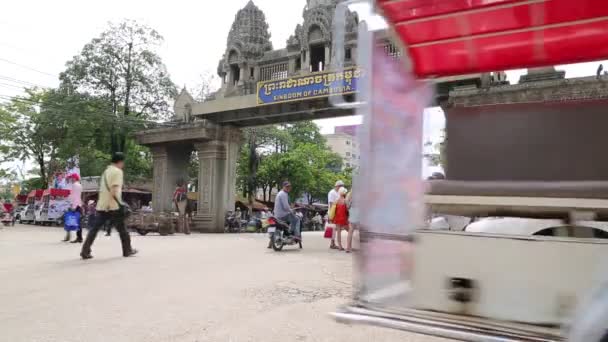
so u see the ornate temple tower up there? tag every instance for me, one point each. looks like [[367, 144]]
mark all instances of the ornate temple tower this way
[[250, 58], [314, 37], [248, 40]]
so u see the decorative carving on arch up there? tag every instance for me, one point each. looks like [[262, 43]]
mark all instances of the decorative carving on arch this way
[[315, 33], [320, 22], [234, 57]]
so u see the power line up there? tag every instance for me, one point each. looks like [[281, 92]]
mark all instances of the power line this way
[[27, 67], [69, 114], [11, 85], [53, 104], [14, 80]]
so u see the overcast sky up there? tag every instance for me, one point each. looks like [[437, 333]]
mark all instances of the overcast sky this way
[[41, 35]]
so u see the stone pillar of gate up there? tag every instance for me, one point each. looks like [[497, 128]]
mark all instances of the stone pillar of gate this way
[[327, 58], [217, 180], [170, 165]]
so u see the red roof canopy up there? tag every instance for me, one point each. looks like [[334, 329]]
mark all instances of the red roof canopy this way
[[21, 199], [56, 192], [452, 37], [35, 193]]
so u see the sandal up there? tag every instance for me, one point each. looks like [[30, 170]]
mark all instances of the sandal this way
[[340, 248], [333, 247]]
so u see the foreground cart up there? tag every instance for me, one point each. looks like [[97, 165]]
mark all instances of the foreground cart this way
[[477, 286]]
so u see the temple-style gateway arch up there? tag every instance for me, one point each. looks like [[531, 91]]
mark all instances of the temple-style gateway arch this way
[[262, 86]]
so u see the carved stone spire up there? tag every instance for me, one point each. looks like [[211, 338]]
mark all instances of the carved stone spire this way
[[318, 20], [249, 36], [310, 4]]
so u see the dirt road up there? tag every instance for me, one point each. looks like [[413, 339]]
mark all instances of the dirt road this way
[[180, 288]]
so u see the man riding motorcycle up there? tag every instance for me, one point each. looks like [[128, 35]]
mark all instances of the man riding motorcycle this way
[[282, 211]]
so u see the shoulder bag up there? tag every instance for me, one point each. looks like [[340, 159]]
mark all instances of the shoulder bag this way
[[124, 210]]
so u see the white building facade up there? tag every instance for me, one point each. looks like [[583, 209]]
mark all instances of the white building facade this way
[[344, 142]]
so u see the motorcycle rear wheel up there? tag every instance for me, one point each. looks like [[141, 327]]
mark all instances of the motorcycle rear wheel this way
[[277, 242]]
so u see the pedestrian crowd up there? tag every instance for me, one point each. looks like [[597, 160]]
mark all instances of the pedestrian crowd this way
[[111, 211]]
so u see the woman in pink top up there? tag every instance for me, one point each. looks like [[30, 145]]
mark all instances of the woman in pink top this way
[[75, 199]]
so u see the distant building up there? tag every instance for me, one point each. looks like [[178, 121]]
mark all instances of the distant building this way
[[344, 143]]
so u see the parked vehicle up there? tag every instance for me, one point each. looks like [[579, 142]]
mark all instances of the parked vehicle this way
[[33, 204], [20, 204], [280, 235], [254, 225], [55, 204], [144, 222]]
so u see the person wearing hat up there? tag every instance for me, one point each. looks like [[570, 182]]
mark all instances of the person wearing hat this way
[[109, 208], [332, 199], [282, 210], [75, 199]]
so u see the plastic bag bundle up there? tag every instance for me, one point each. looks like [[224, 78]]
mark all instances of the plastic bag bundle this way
[[71, 220]]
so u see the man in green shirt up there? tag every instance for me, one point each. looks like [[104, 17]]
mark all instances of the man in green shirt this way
[[108, 208]]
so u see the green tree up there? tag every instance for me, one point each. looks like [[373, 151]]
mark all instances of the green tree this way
[[30, 131], [321, 163], [438, 154], [122, 67], [52, 126], [259, 141], [290, 167], [305, 132]]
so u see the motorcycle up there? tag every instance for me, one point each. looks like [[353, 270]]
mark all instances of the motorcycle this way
[[254, 225], [232, 223], [280, 235]]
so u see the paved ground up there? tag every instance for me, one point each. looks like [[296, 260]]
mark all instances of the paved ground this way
[[180, 288]]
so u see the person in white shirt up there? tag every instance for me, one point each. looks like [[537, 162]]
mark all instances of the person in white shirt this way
[[332, 198]]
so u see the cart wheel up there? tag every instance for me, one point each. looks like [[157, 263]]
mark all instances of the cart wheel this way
[[142, 232]]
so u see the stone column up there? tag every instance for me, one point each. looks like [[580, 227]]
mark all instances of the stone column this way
[[327, 57], [305, 61], [159, 170], [232, 138], [170, 165], [256, 73], [292, 66], [244, 73], [211, 184], [217, 179]]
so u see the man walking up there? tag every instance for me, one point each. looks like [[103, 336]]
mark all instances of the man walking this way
[[283, 212], [109, 208], [332, 198]]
